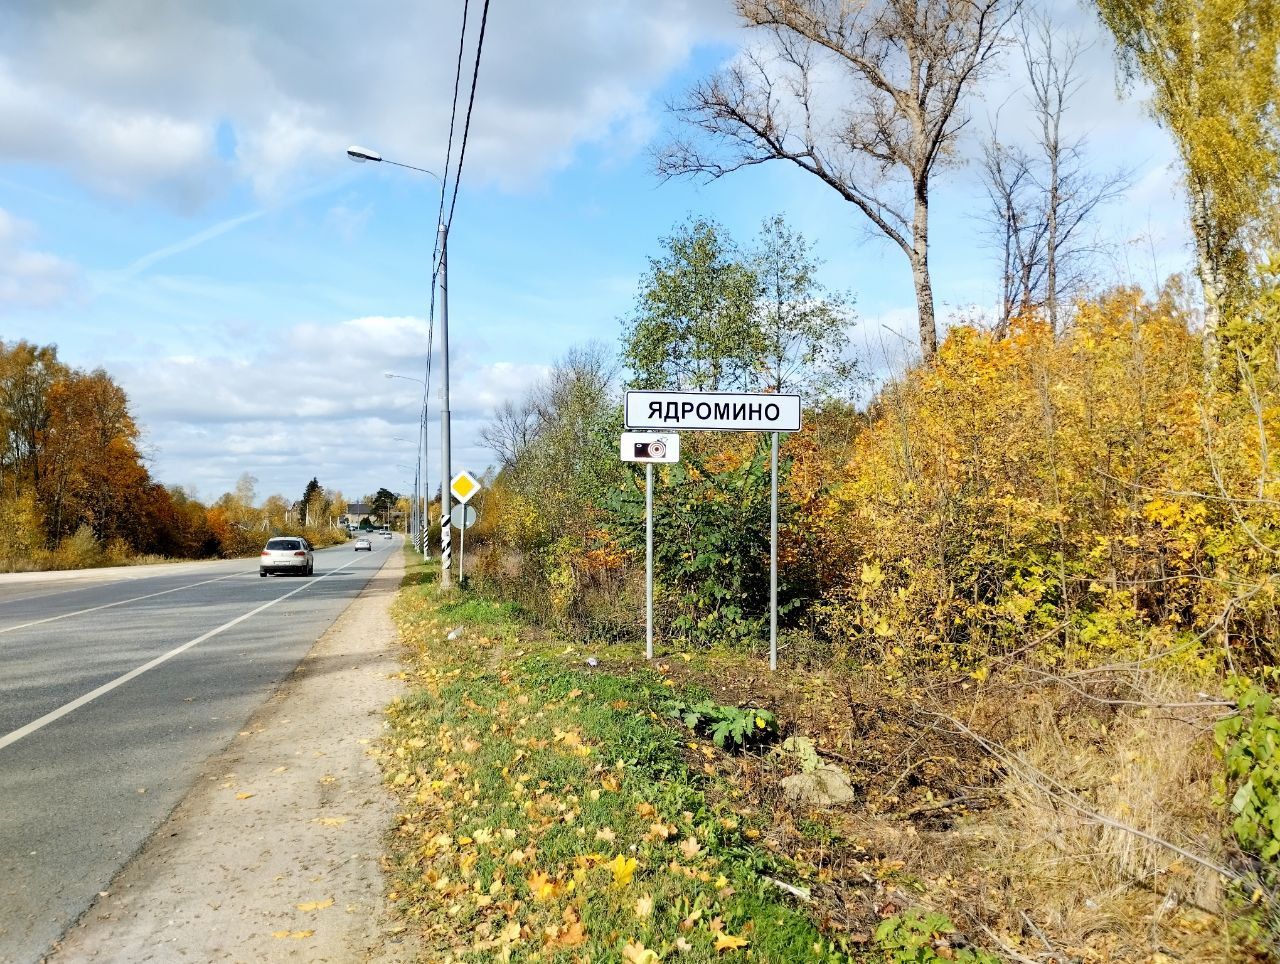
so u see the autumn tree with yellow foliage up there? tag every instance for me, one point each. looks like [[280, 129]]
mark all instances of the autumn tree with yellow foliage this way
[[1213, 70]]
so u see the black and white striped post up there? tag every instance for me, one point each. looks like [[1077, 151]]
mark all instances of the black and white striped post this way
[[446, 551]]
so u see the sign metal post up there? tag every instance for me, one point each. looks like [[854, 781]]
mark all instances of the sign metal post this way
[[773, 552], [463, 487], [649, 448], [648, 560], [463, 517]]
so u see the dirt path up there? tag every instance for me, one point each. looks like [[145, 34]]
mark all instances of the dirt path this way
[[273, 856]]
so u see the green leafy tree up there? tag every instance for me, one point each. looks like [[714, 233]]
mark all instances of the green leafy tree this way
[[558, 446], [694, 327], [1215, 79], [711, 547], [711, 316], [382, 504], [803, 327]]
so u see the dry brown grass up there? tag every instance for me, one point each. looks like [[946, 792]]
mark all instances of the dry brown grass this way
[[1086, 783], [1060, 787]]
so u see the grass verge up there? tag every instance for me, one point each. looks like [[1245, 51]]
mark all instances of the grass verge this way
[[548, 812]]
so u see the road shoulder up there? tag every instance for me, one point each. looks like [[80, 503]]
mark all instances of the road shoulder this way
[[275, 854]]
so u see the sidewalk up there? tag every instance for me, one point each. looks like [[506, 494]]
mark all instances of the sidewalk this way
[[274, 855]]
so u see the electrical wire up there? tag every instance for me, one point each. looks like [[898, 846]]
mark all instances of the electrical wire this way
[[441, 242], [466, 127], [437, 253]]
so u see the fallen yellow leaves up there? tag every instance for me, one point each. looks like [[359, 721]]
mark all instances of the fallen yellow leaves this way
[[569, 934], [295, 935], [330, 821], [314, 905], [727, 942], [245, 796], [634, 952], [659, 831], [544, 888], [623, 868], [644, 905]]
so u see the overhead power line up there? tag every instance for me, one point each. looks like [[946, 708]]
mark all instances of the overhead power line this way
[[466, 127]]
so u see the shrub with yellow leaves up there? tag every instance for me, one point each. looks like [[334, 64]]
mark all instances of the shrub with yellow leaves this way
[[1087, 497]]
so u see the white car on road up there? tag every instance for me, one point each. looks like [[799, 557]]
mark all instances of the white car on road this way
[[286, 554]]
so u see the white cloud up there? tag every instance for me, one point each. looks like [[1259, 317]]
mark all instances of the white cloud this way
[[313, 401], [31, 278], [137, 98]]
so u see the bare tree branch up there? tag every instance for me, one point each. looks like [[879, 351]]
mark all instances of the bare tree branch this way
[[908, 65]]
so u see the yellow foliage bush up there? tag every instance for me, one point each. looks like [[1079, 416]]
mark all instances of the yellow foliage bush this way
[[1083, 498], [23, 525]]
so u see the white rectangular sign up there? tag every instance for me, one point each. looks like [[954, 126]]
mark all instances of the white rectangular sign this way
[[712, 412], [648, 447]]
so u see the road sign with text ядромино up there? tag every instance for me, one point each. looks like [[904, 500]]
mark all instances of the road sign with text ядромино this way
[[648, 447], [464, 486], [712, 412]]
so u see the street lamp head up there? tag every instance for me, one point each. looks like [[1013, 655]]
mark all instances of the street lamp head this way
[[388, 374], [362, 154]]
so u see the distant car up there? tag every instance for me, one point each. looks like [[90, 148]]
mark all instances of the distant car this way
[[363, 543], [386, 534], [286, 554]]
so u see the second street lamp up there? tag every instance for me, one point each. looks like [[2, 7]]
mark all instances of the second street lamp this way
[[361, 155], [411, 527], [420, 454]]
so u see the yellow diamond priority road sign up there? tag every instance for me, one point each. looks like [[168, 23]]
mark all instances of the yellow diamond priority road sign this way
[[464, 486]]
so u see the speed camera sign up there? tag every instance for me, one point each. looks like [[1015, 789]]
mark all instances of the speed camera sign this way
[[647, 447]]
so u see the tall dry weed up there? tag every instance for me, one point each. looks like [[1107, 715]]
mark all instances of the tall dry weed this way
[[1109, 835]]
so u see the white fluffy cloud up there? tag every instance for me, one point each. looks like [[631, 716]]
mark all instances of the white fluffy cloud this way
[[175, 100], [27, 277], [314, 401]]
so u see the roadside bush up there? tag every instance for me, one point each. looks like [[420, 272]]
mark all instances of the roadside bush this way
[[23, 525], [78, 551], [1086, 492], [1249, 741], [711, 543]]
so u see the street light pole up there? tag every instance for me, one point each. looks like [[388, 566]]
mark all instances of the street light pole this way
[[411, 527], [420, 501], [362, 154], [446, 473]]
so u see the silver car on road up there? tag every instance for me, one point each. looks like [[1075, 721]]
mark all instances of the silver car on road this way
[[286, 554]]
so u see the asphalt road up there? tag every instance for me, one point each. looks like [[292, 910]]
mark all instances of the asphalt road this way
[[114, 689]]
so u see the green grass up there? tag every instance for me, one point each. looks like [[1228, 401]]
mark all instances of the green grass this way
[[525, 777]]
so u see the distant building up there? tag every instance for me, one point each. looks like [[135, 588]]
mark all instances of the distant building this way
[[357, 512]]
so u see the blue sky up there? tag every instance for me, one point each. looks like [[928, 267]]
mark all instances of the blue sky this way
[[176, 206]]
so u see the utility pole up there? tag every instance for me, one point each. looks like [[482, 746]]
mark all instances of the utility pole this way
[[446, 472]]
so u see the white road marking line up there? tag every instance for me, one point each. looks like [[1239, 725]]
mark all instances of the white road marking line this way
[[75, 704], [119, 602], [88, 584]]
